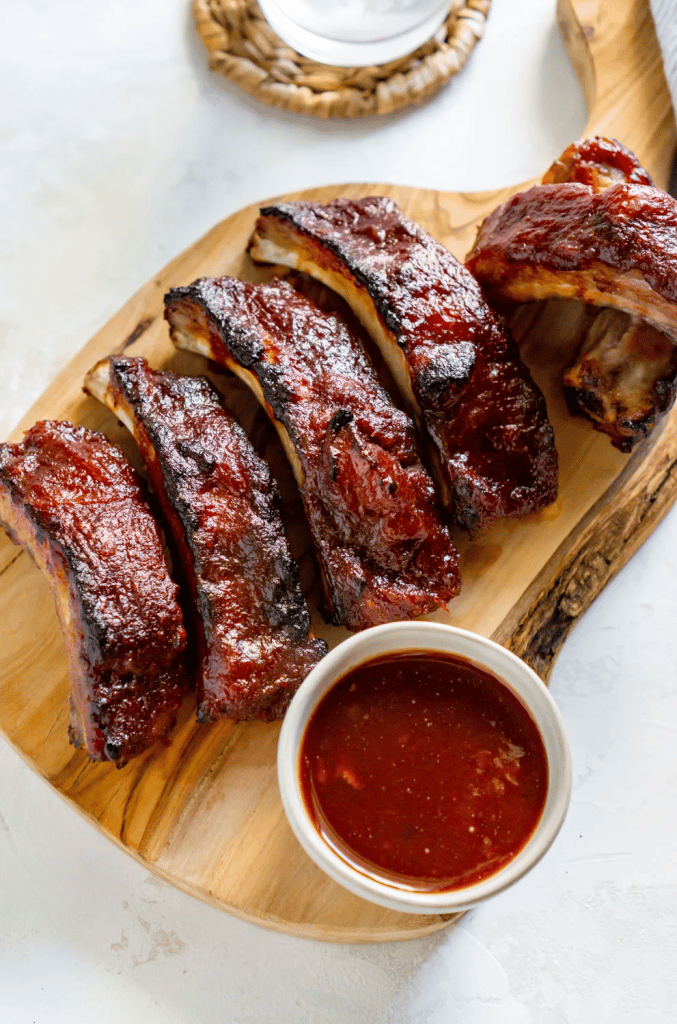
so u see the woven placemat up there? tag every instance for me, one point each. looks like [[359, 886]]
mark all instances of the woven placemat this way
[[244, 48]]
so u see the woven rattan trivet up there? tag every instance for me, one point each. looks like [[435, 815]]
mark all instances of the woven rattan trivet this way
[[244, 48]]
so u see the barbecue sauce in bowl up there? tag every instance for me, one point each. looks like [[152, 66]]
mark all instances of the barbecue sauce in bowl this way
[[423, 770]]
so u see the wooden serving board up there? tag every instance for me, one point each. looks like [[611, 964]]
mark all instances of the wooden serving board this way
[[204, 811]]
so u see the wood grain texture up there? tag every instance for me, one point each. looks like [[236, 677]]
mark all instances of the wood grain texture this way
[[204, 812]]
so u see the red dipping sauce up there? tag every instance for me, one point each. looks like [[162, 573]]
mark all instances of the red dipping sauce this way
[[424, 771]]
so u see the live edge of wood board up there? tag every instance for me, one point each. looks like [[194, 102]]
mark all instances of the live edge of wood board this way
[[204, 811]]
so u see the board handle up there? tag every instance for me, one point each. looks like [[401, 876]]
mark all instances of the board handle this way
[[612, 45]]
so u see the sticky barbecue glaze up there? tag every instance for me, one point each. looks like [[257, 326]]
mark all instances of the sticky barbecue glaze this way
[[596, 230], [251, 619], [451, 356], [598, 163], [568, 227], [72, 500], [423, 770], [383, 550]]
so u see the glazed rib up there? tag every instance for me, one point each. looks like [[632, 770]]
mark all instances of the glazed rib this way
[[71, 500], [383, 550], [597, 163], [253, 627], [457, 369], [599, 231]]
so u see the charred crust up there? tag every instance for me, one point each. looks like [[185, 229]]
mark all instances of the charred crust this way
[[112, 751], [467, 512], [641, 427], [466, 517], [583, 402], [287, 608], [624, 431], [665, 392], [176, 497], [244, 344], [383, 307], [341, 418], [333, 613], [98, 640], [274, 391], [447, 371], [99, 636], [180, 294], [204, 460], [197, 391], [287, 212]]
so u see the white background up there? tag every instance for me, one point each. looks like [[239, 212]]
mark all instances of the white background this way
[[119, 149]]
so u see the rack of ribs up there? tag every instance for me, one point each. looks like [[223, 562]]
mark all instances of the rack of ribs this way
[[383, 551], [457, 368], [251, 621], [70, 498], [596, 230]]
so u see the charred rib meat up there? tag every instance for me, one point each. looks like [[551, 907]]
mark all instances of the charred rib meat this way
[[383, 550], [599, 231], [218, 497], [70, 498], [458, 370]]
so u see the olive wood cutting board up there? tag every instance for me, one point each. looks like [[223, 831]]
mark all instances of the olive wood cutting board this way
[[203, 812]]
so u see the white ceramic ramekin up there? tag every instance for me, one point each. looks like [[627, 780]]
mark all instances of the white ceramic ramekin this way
[[425, 636]]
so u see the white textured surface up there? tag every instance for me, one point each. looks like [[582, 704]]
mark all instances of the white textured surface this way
[[118, 151], [665, 19]]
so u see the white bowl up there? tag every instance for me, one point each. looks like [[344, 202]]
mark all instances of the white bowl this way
[[425, 636]]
